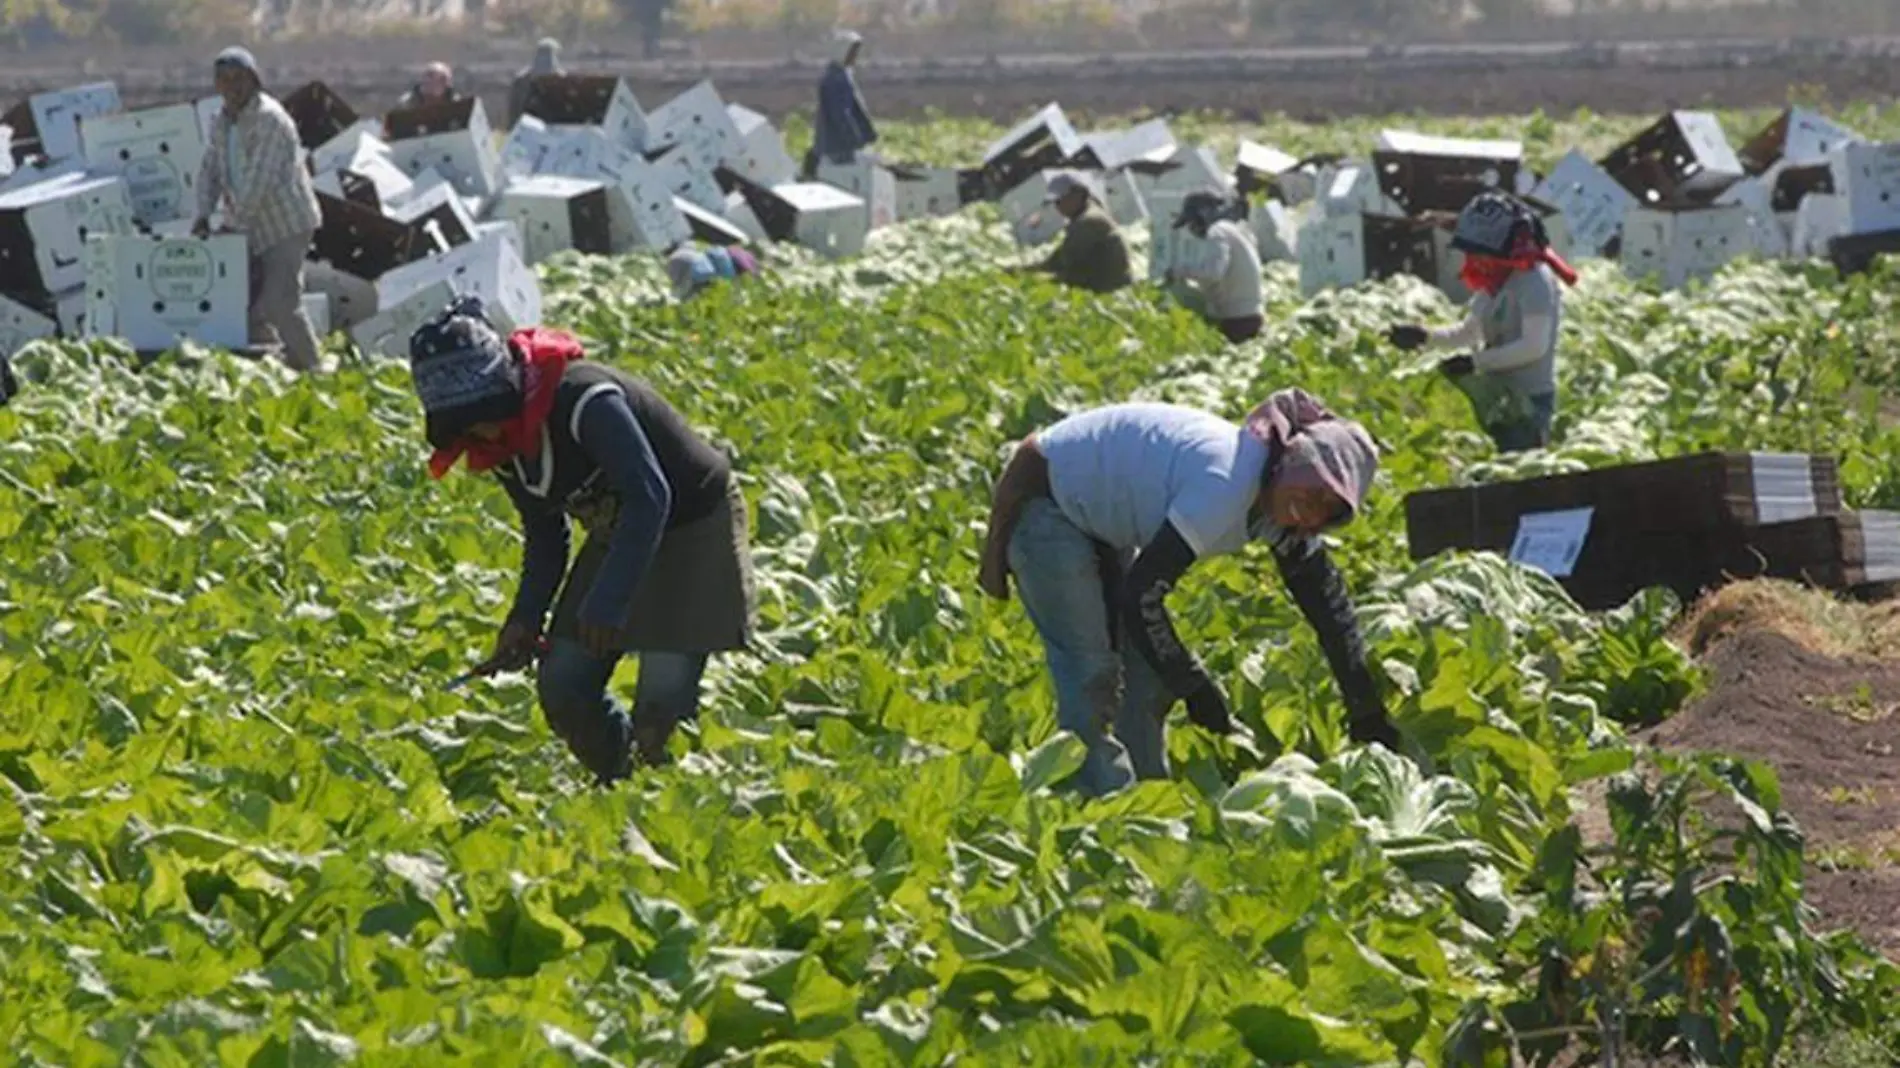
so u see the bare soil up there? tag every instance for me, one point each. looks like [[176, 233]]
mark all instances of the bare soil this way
[[1829, 726]]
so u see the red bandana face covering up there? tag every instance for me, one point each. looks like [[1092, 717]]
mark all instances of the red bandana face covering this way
[[544, 356], [1487, 274]]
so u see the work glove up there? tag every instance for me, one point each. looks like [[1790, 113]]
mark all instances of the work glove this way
[[1456, 366], [1208, 709], [514, 648], [1408, 337]]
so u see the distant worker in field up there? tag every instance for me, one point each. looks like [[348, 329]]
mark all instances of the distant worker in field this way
[[252, 171], [1099, 515], [666, 571], [547, 60], [435, 86], [1510, 372], [842, 126], [1225, 281], [1093, 254], [692, 270]]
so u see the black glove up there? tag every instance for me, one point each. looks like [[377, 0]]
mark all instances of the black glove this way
[[1408, 337], [1456, 366], [1208, 709], [1374, 728]]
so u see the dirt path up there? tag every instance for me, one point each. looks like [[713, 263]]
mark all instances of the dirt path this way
[[1315, 84], [1829, 727]]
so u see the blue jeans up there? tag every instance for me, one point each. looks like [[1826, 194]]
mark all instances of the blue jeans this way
[[598, 730], [1109, 698], [1525, 434]]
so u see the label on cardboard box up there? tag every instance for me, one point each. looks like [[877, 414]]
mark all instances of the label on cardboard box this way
[[157, 151], [154, 292], [1551, 542]]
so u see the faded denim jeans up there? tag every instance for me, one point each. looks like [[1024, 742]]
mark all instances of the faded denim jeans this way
[[597, 728], [1109, 698]]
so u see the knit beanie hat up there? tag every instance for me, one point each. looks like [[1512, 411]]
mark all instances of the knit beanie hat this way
[[463, 372]]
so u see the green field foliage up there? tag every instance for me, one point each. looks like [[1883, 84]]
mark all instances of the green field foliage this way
[[243, 823]]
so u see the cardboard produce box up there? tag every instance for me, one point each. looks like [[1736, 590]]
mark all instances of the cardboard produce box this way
[[451, 138], [47, 124], [44, 227], [1342, 251], [1681, 160], [557, 213], [1043, 142], [1423, 173], [154, 292], [320, 114], [157, 151], [602, 102]]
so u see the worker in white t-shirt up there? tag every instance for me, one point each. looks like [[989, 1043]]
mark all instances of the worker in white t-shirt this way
[[1099, 515], [1229, 277]]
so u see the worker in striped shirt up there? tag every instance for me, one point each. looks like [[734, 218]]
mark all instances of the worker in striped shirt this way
[[252, 171]]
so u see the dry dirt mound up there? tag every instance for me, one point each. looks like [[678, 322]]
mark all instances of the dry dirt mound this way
[[1805, 684]]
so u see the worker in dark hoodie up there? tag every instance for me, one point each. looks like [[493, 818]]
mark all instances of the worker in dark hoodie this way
[[842, 126], [1098, 516], [547, 60], [665, 572]]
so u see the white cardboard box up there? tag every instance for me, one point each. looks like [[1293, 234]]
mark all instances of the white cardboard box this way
[[641, 210], [391, 182], [1820, 219], [1275, 233], [1332, 253], [1408, 143], [20, 324], [447, 207], [740, 214], [316, 308], [1756, 196], [1593, 204], [56, 115], [1678, 247], [685, 177], [352, 300], [868, 180], [761, 157], [527, 145], [1868, 177], [208, 108], [1353, 189], [490, 268], [337, 153], [695, 117], [926, 192], [1189, 170], [44, 227], [467, 157], [33, 174], [387, 332], [553, 211], [1812, 137], [508, 230], [829, 221], [157, 151], [155, 291], [1125, 203]]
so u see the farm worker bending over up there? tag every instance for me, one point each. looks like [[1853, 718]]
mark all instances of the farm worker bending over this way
[[1228, 278], [251, 168], [1099, 515], [691, 270], [842, 125], [436, 86], [665, 572], [1092, 254], [1516, 307], [547, 60]]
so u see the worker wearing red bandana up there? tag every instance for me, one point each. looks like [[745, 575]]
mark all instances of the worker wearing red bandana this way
[[666, 571], [1510, 333]]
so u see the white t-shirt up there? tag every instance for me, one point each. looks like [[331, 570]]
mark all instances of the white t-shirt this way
[[1230, 278], [1118, 473]]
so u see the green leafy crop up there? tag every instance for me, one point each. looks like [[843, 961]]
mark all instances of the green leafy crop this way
[[242, 823]]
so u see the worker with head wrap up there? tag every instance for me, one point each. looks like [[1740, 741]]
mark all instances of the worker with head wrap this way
[[547, 60], [1509, 370], [843, 125], [1097, 518]]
